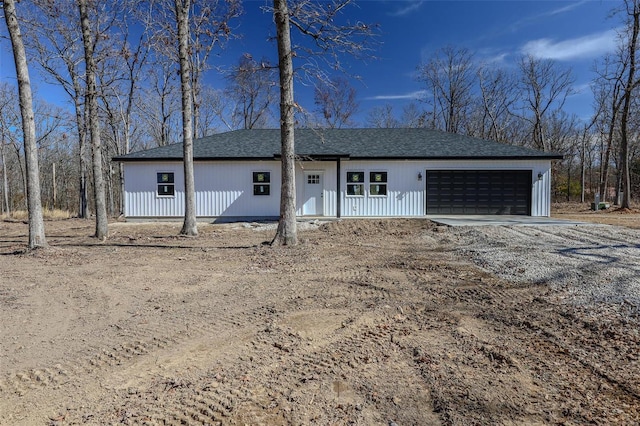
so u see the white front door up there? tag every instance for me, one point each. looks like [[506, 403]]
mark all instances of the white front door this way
[[313, 194]]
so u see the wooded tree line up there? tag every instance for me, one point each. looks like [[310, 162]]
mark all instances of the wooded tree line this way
[[120, 67]]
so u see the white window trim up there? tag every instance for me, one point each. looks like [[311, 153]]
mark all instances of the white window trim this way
[[253, 184], [363, 184], [158, 195], [374, 183]]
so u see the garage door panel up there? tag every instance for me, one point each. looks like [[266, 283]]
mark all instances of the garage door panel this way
[[478, 192]]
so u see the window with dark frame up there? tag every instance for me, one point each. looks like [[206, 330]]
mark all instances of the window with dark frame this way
[[261, 183], [355, 184], [166, 185], [378, 183]]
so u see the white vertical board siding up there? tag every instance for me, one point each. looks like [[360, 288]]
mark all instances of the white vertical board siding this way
[[222, 189], [541, 191], [140, 185], [225, 188], [406, 194]]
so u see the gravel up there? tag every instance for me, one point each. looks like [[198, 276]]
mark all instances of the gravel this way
[[590, 265]]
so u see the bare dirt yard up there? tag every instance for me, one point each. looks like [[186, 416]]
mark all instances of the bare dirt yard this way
[[366, 322]]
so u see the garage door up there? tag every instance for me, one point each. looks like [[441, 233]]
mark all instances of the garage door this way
[[479, 192]]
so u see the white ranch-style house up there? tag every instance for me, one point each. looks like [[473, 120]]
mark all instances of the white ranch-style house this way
[[342, 173]]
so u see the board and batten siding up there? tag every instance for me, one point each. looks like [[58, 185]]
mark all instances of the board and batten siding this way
[[222, 189], [225, 188], [406, 194]]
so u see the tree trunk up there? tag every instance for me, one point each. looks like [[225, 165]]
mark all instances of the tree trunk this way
[[36, 222], [569, 181], [628, 95], [287, 232], [53, 186], [94, 128], [196, 106], [5, 180], [604, 176], [82, 138], [189, 226]]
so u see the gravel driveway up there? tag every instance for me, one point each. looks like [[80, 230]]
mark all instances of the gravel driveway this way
[[590, 265]]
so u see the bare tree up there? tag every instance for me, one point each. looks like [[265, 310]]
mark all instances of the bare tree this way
[[185, 32], [318, 20], [89, 38], [564, 136], [607, 89], [121, 73], [134, 58], [498, 95], [9, 119], [252, 92], [212, 111], [545, 87], [182, 7], [336, 102], [161, 103], [5, 179], [208, 26], [287, 233], [413, 116], [632, 8], [36, 221], [382, 117], [450, 77], [55, 40]]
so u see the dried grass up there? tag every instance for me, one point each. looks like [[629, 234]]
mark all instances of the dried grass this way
[[22, 215]]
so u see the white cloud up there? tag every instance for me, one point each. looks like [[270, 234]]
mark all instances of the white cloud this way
[[495, 59], [419, 94], [530, 20], [582, 89], [589, 46], [564, 9], [408, 8]]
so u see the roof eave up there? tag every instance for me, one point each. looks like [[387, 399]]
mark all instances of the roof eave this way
[[179, 159], [462, 157]]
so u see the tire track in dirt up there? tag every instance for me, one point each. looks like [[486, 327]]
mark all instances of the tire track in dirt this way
[[129, 345], [341, 333], [566, 366], [615, 235], [625, 248], [583, 268], [555, 329], [571, 335], [286, 365], [506, 309], [207, 400], [289, 361], [539, 337]]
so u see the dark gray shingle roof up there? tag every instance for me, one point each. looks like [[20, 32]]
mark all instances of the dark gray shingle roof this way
[[343, 143]]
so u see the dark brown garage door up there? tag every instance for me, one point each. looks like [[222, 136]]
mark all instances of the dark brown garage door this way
[[479, 192]]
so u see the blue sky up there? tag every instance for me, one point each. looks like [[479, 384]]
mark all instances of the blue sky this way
[[575, 33]]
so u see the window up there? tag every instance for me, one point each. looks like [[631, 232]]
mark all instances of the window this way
[[261, 183], [355, 183], [313, 179], [166, 185], [378, 183]]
